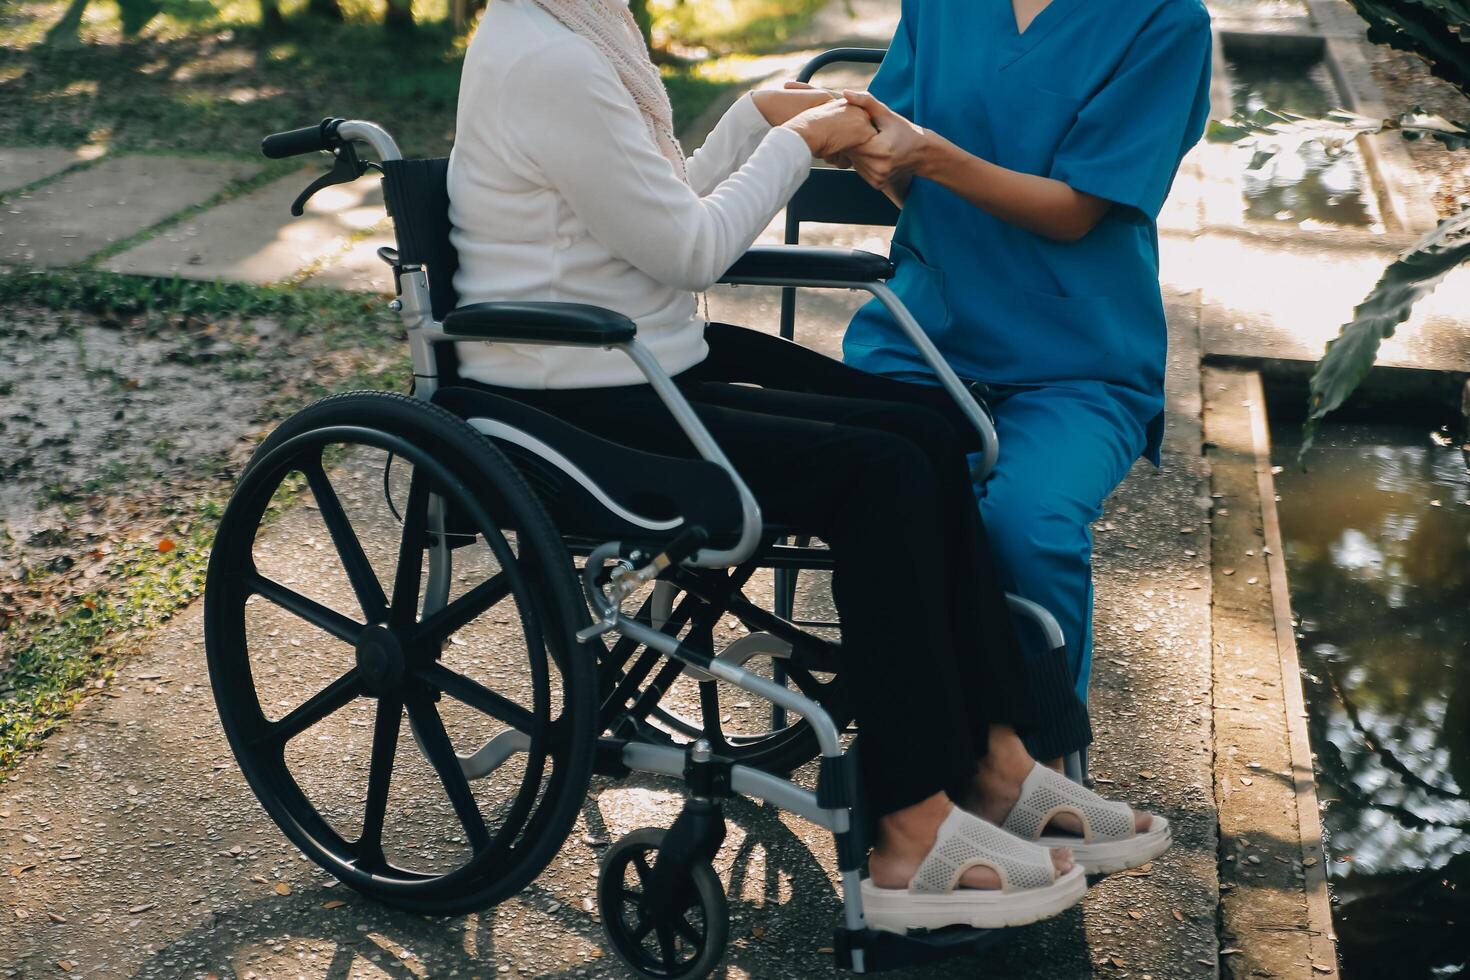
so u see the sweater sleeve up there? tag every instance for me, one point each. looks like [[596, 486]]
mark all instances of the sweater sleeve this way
[[735, 137], [574, 126]]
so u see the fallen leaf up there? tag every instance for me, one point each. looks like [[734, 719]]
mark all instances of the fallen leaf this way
[[1146, 774], [58, 919], [281, 888], [66, 965], [166, 545], [16, 872], [1118, 961], [140, 909], [757, 931], [1309, 862], [1178, 915], [1246, 781], [1318, 966], [335, 903], [1135, 915]]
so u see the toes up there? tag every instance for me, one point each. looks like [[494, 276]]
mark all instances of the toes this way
[[1142, 820], [1061, 860]]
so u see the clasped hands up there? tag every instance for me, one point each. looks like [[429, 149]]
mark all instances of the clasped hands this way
[[853, 130]]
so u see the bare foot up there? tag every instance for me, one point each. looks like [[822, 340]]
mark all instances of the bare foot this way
[[906, 837]]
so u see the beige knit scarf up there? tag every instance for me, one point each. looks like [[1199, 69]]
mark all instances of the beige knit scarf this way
[[610, 26]]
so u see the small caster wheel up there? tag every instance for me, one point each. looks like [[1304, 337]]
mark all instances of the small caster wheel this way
[[683, 945]]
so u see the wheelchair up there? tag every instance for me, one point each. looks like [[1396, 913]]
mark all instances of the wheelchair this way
[[494, 521]]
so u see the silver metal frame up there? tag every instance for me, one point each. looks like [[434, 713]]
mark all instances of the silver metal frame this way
[[414, 306]]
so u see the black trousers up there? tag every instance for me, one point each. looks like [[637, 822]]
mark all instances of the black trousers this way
[[928, 648]]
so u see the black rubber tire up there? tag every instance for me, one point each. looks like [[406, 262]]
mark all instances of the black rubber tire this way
[[613, 905], [547, 595]]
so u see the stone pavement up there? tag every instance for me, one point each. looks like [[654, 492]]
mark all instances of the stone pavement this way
[[141, 789]]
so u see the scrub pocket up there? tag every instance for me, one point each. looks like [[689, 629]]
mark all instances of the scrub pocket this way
[[921, 288]]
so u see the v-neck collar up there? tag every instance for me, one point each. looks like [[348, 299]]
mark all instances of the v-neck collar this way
[[1041, 25]]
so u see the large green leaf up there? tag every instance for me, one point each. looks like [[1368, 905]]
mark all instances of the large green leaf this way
[[1412, 276]]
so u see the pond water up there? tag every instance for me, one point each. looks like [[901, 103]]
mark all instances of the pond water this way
[[1306, 185], [1377, 537]]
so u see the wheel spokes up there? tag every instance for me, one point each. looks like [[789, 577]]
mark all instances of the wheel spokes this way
[[318, 615], [434, 740], [480, 697], [410, 555], [321, 704], [354, 562], [380, 777], [641, 868], [690, 934], [666, 945], [439, 626]]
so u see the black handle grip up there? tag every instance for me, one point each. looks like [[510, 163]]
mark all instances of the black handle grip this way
[[308, 139]]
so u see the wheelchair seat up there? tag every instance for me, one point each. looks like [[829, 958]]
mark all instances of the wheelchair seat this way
[[593, 488]]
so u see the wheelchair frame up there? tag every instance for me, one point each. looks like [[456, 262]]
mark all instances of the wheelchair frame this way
[[833, 805], [696, 834]]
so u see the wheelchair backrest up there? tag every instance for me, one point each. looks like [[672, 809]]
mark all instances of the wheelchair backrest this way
[[828, 196], [416, 194]]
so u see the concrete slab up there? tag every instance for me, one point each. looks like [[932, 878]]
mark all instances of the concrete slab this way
[[254, 238], [23, 165], [358, 267], [1285, 295], [1274, 908], [74, 217]]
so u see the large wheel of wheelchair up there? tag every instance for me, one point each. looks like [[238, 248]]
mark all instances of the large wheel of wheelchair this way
[[686, 943], [349, 592]]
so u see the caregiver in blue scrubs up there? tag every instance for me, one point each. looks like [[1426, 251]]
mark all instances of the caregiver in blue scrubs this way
[[1031, 145]]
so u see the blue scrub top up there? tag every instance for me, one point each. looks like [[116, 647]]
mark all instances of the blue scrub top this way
[[1105, 95]]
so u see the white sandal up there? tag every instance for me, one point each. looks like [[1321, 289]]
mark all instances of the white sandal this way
[[1109, 840], [1029, 891]]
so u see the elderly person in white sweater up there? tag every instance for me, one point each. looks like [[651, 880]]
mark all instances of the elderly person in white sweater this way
[[567, 184]]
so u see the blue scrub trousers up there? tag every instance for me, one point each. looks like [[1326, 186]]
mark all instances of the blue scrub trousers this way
[[1063, 449]]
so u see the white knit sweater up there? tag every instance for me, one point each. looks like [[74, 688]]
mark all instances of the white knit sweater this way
[[557, 192]]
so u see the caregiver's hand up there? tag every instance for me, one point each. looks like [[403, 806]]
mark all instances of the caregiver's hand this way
[[902, 151], [832, 128], [899, 150]]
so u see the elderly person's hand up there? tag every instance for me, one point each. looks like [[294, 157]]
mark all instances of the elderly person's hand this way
[[899, 150], [781, 105], [832, 128]]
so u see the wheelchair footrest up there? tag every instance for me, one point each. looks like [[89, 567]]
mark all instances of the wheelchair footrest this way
[[882, 950]]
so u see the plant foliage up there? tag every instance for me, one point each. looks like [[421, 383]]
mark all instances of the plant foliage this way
[[1413, 275], [1436, 30]]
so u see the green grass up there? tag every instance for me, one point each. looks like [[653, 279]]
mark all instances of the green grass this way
[[342, 318], [731, 26], [52, 658], [51, 667], [217, 85]]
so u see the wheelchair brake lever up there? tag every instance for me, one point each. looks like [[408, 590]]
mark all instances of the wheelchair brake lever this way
[[345, 170]]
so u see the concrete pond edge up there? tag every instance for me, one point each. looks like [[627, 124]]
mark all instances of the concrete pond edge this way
[[1275, 911]]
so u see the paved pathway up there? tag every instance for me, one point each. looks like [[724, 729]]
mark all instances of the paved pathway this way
[[129, 846]]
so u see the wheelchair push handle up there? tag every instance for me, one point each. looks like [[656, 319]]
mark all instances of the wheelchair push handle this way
[[308, 139]]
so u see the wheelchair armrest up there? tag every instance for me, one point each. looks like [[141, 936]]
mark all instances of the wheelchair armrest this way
[[776, 264], [554, 324]]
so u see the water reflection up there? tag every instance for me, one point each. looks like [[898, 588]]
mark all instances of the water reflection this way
[[1378, 550], [1308, 184]]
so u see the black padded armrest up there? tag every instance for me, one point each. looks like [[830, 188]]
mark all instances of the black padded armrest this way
[[555, 324], [806, 263]]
